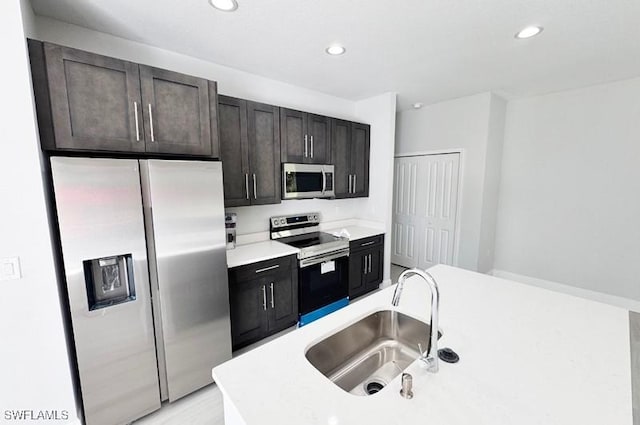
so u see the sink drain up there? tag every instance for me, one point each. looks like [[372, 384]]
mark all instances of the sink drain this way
[[373, 387]]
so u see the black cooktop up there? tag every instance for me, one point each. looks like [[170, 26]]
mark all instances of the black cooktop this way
[[309, 239]]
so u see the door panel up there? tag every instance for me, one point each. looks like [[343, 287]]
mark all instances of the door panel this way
[[234, 148], [341, 153], [294, 129], [93, 101], [176, 112], [99, 211], [264, 153], [437, 213], [183, 201], [360, 159], [356, 274], [283, 298], [248, 301], [424, 210], [374, 272], [319, 139], [405, 195]]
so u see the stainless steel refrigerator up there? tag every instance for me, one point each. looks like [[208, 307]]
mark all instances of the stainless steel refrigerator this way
[[143, 249]]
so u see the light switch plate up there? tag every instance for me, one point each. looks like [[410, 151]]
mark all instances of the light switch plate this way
[[10, 268]]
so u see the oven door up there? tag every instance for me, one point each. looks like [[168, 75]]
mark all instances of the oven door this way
[[307, 181], [322, 283]]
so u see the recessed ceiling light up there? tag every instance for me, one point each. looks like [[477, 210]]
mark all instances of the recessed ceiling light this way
[[529, 32], [224, 5], [418, 105], [335, 50]]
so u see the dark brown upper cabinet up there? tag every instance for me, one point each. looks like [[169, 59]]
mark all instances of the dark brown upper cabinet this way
[[305, 137], [250, 152], [89, 102], [175, 111], [350, 147], [86, 101]]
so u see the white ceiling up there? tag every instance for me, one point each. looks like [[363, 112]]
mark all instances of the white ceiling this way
[[425, 50]]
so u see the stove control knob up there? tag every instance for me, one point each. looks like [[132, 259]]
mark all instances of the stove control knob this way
[[315, 217], [275, 221], [282, 221]]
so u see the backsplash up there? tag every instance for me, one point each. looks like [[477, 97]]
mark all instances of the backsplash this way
[[255, 219]]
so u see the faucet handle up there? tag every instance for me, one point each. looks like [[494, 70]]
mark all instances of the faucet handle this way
[[421, 351]]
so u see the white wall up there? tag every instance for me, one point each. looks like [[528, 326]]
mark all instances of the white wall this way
[[491, 189], [34, 366], [471, 124], [380, 112], [570, 193]]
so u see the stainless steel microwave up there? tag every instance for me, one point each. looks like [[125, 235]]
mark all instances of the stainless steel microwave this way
[[301, 181]]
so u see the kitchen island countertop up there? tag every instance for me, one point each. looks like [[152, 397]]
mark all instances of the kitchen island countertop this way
[[527, 356]]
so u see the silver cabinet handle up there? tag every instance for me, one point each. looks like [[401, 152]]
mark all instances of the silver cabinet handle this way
[[266, 269], [135, 114], [246, 183], [255, 191], [311, 146], [354, 183], [368, 243], [153, 139], [365, 265], [369, 264], [264, 298], [305, 146], [349, 183], [273, 304]]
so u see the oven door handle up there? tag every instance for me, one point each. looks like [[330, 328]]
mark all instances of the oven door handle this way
[[306, 262]]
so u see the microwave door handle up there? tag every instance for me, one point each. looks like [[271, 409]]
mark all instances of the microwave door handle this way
[[324, 181]]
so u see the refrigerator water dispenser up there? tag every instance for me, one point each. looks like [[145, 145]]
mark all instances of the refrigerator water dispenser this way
[[109, 281]]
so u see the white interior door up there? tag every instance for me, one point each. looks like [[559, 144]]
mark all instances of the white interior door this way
[[425, 209]]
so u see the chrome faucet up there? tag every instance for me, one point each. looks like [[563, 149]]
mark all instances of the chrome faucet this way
[[429, 357]]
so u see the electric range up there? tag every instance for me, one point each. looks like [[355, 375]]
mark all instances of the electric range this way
[[323, 264]]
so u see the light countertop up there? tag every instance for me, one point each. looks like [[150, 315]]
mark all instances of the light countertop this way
[[259, 251], [266, 250], [527, 356], [356, 232]]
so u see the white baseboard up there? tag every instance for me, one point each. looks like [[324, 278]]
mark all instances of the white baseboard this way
[[614, 300]]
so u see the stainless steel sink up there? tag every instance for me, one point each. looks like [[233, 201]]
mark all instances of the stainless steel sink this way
[[364, 357]]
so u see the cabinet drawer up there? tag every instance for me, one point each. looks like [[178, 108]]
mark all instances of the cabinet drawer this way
[[261, 268], [365, 243]]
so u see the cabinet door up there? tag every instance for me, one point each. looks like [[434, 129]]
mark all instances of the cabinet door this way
[[319, 139], [95, 101], [283, 300], [360, 159], [264, 153], [248, 307], [234, 150], [294, 137], [373, 277], [357, 273], [341, 153], [176, 112], [213, 119]]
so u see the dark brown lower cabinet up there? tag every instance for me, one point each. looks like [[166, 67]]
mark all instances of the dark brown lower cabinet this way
[[263, 298], [366, 265]]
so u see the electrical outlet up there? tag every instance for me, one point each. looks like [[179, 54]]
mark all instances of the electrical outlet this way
[[10, 268]]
